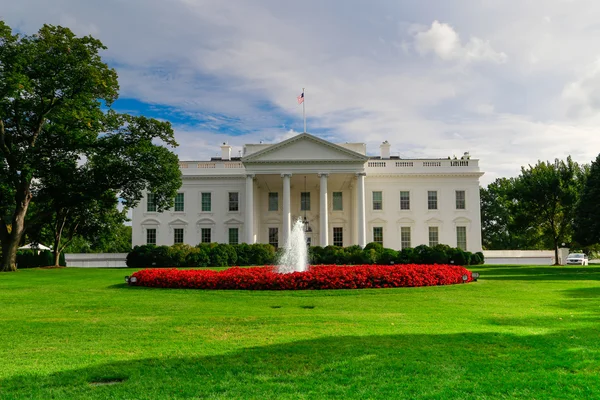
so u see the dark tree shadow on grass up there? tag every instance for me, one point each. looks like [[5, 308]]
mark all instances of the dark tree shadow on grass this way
[[563, 364]]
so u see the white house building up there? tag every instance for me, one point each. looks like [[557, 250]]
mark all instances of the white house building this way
[[343, 196]]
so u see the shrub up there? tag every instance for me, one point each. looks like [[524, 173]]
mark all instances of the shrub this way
[[387, 257], [262, 254], [197, 257], [475, 259], [244, 253], [481, 257]]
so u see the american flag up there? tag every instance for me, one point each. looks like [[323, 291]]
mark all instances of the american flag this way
[[301, 98]]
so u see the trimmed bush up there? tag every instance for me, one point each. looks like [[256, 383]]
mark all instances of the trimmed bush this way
[[223, 255]]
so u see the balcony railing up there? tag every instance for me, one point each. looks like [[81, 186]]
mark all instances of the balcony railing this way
[[414, 166]]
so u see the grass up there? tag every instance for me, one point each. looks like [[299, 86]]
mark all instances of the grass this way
[[519, 332]]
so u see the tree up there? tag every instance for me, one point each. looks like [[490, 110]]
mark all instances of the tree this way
[[587, 217], [548, 194], [504, 224], [53, 87]]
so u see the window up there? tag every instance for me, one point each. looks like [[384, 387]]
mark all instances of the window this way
[[206, 202], [338, 237], [151, 206], [305, 201], [432, 200], [461, 237], [273, 201], [405, 200], [338, 204], [405, 237], [460, 200], [377, 201], [434, 236], [274, 237], [234, 201], [205, 236], [234, 236], [177, 235], [378, 234], [150, 236], [179, 200]]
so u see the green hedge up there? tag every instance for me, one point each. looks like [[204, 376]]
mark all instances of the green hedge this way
[[375, 253], [223, 255], [203, 255], [30, 259]]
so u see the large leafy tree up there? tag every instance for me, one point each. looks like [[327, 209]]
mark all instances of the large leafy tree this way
[[504, 224], [587, 221], [53, 86], [548, 194]]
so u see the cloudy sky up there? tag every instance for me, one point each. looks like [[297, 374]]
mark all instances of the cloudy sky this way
[[511, 81]]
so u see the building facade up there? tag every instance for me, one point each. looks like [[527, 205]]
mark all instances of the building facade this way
[[343, 197]]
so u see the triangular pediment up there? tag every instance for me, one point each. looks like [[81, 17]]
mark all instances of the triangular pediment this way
[[305, 148], [178, 221]]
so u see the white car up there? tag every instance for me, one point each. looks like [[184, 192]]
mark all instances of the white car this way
[[577, 259]]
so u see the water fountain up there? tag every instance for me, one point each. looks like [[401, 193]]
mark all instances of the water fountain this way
[[295, 256]]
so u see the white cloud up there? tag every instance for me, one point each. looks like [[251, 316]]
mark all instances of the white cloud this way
[[582, 96], [442, 40]]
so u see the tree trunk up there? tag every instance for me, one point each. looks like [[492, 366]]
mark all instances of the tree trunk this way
[[556, 261], [9, 250], [9, 257]]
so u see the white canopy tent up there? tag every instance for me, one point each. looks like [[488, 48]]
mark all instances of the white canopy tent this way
[[34, 246]]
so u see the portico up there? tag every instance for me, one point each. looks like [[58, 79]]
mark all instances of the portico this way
[[284, 181]]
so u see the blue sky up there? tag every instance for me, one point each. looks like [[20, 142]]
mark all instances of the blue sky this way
[[511, 81]]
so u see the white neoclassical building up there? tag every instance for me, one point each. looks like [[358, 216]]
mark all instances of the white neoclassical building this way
[[344, 197]]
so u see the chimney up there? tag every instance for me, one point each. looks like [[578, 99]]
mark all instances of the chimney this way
[[385, 150], [225, 151]]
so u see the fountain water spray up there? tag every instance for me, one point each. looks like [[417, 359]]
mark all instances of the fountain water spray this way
[[295, 256]]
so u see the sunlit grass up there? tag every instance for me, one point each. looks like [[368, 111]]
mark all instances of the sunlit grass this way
[[519, 332]]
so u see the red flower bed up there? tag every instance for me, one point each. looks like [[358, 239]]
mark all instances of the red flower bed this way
[[317, 277]]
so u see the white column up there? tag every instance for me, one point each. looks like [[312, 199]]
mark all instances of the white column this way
[[286, 208], [250, 208], [324, 231], [360, 203]]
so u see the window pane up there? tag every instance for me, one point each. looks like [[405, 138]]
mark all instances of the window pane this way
[[433, 236], [273, 201], [338, 237], [405, 237], [274, 237], [338, 204], [206, 202], [233, 236], [179, 202], [151, 206], [305, 201], [432, 200], [405, 200], [177, 235], [460, 200], [377, 201], [378, 235], [205, 235], [150, 236], [461, 237], [234, 204]]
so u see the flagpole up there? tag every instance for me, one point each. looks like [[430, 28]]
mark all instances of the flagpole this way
[[304, 109]]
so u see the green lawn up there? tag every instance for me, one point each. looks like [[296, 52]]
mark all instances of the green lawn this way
[[519, 332]]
